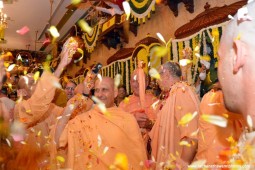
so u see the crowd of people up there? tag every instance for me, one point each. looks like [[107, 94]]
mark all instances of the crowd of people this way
[[95, 125]]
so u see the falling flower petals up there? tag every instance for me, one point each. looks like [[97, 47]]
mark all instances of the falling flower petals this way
[[60, 159], [249, 122], [23, 30], [121, 161], [230, 17], [99, 141], [117, 79], [161, 37], [54, 32], [154, 73], [155, 104], [196, 48], [187, 118], [185, 143], [99, 77], [85, 26], [75, 2], [126, 100], [127, 9], [11, 67], [8, 142], [105, 150], [216, 120], [184, 62], [36, 76]]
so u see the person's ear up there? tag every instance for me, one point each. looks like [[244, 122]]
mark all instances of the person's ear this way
[[240, 50]]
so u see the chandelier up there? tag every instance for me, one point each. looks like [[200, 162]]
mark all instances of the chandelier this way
[[3, 23]]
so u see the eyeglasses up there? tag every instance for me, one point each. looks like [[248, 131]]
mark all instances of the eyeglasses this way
[[69, 88]]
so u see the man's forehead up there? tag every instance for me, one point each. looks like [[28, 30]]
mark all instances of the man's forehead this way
[[104, 83]]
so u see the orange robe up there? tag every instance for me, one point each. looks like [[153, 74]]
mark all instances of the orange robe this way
[[6, 108], [166, 134], [119, 132], [211, 138], [133, 105], [39, 114]]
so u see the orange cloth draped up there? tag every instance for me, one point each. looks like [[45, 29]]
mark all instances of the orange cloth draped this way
[[166, 134], [119, 132], [39, 114], [134, 105], [32, 110], [141, 76], [212, 138], [6, 108]]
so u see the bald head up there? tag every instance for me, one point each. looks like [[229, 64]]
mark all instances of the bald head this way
[[241, 29], [236, 62], [105, 91]]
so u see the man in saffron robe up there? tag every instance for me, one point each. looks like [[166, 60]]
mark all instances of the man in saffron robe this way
[[168, 133], [139, 103], [212, 139], [94, 138]]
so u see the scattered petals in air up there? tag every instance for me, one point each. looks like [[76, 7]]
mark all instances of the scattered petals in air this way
[[185, 143], [39, 133], [197, 48], [121, 161], [213, 104], [238, 37], [54, 32], [249, 122], [85, 26], [127, 9], [36, 76], [75, 2], [158, 51], [161, 37], [23, 30], [60, 159], [19, 58], [184, 62], [105, 150], [117, 79], [154, 105], [8, 142], [11, 67], [99, 77], [126, 100], [187, 118], [154, 73], [216, 120], [23, 142], [99, 141], [230, 17], [194, 133], [197, 55], [242, 14]]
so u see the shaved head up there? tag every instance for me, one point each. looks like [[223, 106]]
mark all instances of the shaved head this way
[[236, 61], [105, 91]]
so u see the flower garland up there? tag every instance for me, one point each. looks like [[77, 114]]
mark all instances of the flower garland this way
[[141, 9], [91, 39], [180, 46]]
